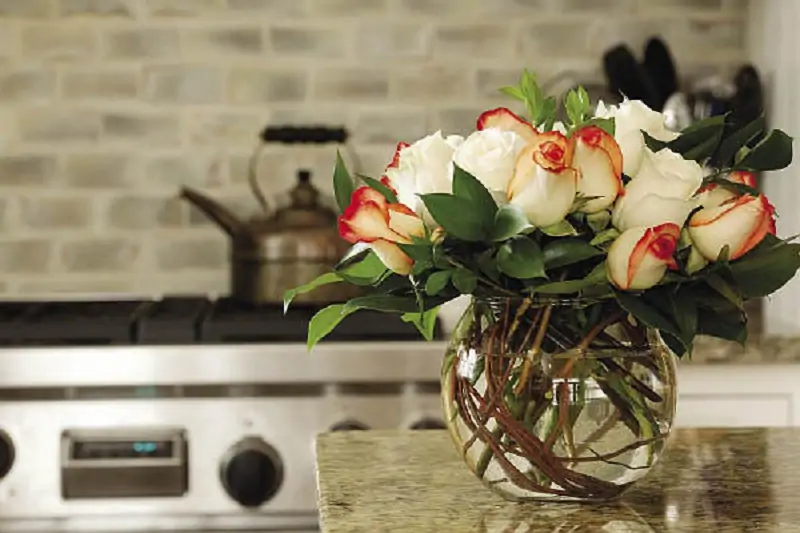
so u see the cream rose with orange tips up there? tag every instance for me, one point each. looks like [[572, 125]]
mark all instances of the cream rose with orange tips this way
[[544, 182], [640, 257], [371, 219], [598, 160]]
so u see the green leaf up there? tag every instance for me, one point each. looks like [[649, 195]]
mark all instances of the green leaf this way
[[437, 282], [424, 322], [324, 321], [701, 139], [365, 269], [684, 311], [521, 258], [324, 279], [384, 302], [513, 92], [598, 221], [422, 252], [560, 229], [488, 265], [646, 313], [652, 143], [563, 252], [605, 124], [773, 153], [546, 116], [673, 343], [730, 325], [765, 269], [705, 149], [605, 236], [468, 187], [596, 278], [380, 187], [465, 280], [509, 221], [739, 139], [725, 289], [456, 216], [343, 186]]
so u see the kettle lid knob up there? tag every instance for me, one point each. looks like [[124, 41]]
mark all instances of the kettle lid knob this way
[[304, 195]]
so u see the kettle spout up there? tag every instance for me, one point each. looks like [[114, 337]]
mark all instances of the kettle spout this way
[[213, 210]]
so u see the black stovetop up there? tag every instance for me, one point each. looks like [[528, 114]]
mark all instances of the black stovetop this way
[[179, 320]]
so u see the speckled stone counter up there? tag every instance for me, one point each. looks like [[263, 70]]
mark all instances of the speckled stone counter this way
[[758, 350], [710, 480]]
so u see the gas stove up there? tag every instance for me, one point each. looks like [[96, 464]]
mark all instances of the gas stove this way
[[188, 412]]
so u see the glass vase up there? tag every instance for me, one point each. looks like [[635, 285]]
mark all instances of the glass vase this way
[[567, 400]]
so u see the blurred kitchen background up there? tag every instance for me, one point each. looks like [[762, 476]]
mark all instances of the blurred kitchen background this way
[[107, 107]]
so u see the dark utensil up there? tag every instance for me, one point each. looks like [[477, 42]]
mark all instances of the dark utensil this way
[[660, 68], [627, 77]]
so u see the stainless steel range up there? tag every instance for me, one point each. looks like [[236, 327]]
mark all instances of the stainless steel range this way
[[188, 413]]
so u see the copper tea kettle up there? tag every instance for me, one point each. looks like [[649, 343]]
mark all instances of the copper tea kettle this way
[[271, 253]]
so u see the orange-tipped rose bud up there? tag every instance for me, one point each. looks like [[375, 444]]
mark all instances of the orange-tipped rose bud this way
[[371, 219], [544, 183], [504, 119], [598, 160], [639, 258], [739, 223]]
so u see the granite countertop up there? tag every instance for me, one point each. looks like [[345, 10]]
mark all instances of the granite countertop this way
[[757, 350], [717, 480]]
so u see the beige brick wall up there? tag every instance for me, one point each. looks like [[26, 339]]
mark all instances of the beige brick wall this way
[[107, 106]]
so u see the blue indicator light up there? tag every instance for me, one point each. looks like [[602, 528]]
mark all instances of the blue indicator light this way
[[144, 447]]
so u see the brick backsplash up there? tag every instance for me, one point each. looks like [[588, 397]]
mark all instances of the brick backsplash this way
[[108, 106]]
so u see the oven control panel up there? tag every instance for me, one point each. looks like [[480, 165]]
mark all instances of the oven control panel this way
[[123, 463]]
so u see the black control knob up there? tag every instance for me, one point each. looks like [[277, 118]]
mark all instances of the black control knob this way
[[349, 425], [428, 423], [6, 454], [251, 472]]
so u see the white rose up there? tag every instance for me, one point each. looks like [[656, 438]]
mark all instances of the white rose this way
[[661, 192], [632, 117], [424, 168], [489, 155]]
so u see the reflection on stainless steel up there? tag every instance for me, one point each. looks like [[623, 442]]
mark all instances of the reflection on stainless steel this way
[[248, 416]]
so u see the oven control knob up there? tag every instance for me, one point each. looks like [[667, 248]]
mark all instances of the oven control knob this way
[[251, 472], [428, 423], [349, 425], [6, 454]]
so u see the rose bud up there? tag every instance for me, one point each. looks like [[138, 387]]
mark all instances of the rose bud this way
[[662, 192], [544, 183], [490, 156], [371, 219], [504, 119], [739, 223], [639, 257], [631, 118], [598, 160], [715, 194]]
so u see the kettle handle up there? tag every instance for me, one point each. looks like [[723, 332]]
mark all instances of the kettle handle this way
[[252, 179]]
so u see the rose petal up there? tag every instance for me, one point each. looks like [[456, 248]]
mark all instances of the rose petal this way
[[405, 222], [740, 224], [392, 257], [650, 211], [597, 175], [546, 197], [505, 119], [639, 257]]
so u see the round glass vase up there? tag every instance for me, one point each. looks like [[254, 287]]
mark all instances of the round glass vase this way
[[565, 400]]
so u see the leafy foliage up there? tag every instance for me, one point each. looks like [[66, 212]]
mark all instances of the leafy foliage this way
[[490, 250]]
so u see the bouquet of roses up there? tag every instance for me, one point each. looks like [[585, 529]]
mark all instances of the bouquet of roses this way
[[609, 205]]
